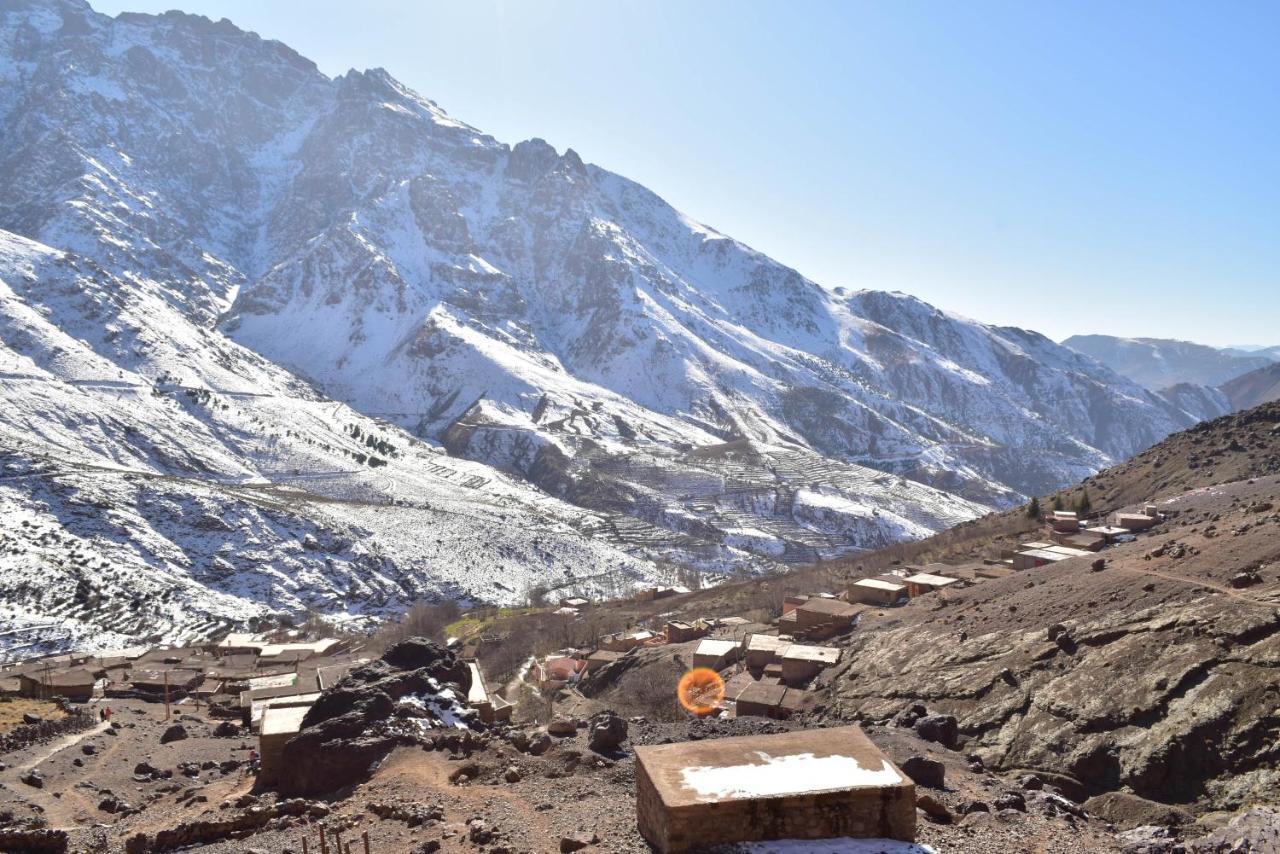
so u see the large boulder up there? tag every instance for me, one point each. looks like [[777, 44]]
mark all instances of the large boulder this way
[[177, 732], [606, 731], [942, 729]]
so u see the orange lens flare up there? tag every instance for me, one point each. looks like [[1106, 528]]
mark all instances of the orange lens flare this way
[[701, 690]]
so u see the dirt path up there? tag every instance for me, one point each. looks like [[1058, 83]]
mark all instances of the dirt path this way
[[60, 745]]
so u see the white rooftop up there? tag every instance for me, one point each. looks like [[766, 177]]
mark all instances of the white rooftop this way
[[879, 584], [286, 719], [931, 580], [717, 648], [765, 643], [820, 654]]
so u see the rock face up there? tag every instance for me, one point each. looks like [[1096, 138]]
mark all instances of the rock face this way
[[416, 689]]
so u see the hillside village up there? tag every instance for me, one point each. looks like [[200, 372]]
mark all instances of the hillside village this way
[[297, 741]]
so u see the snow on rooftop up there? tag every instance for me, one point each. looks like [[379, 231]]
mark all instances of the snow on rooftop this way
[[795, 774]]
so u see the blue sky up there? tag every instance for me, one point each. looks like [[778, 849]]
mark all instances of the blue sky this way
[[1068, 167]]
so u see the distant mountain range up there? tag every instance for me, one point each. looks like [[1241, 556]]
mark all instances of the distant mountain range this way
[[1205, 381], [1158, 363], [278, 342]]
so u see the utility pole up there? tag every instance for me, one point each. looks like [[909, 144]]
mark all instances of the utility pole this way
[[166, 695]]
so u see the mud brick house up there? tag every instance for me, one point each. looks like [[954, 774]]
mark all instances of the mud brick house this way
[[821, 617], [680, 632], [492, 708], [807, 784], [279, 724], [76, 684], [762, 650], [602, 658], [151, 682], [800, 662], [716, 654], [924, 582], [880, 592], [1135, 521], [1066, 521]]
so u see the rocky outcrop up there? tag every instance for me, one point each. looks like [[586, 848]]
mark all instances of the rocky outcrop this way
[[413, 692]]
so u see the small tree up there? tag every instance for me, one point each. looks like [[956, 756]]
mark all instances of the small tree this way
[[1033, 508], [1084, 505], [1058, 503]]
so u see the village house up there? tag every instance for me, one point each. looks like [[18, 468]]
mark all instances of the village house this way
[[716, 654], [1110, 533], [762, 650], [924, 582], [492, 708], [175, 682], [559, 671], [800, 663], [1029, 558], [602, 658], [880, 592], [625, 641], [759, 700], [825, 617], [1064, 520], [680, 632], [790, 603], [683, 803], [76, 684], [1135, 521], [279, 724]]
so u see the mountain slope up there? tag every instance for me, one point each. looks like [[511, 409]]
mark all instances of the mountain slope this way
[[1254, 388], [227, 241], [1159, 363]]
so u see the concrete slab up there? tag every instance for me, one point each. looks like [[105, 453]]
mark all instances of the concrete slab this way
[[808, 784]]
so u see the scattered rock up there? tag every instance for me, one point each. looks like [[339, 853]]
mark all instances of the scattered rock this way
[[577, 841], [33, 778], [562, 727], [933, 808], [177, 732], [925, 772]]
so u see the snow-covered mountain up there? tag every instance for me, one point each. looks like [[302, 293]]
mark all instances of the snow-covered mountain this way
[[1160, 363], [280, 341]]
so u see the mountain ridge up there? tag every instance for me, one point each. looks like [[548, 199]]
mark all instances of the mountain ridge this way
[[259, 243]]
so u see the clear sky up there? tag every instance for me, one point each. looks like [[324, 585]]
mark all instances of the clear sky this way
[[1069, 167]]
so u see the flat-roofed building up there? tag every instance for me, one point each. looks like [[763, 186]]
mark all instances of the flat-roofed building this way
[[806, 784], [924, 582], [279, 724], [1107, 532], [762, 650], [801, 662], [716, 654], [679, 631], [759, 700], [1135, 521], [76, 684], [877, 591], [602, 658], [1032, 558], [818, 612]]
